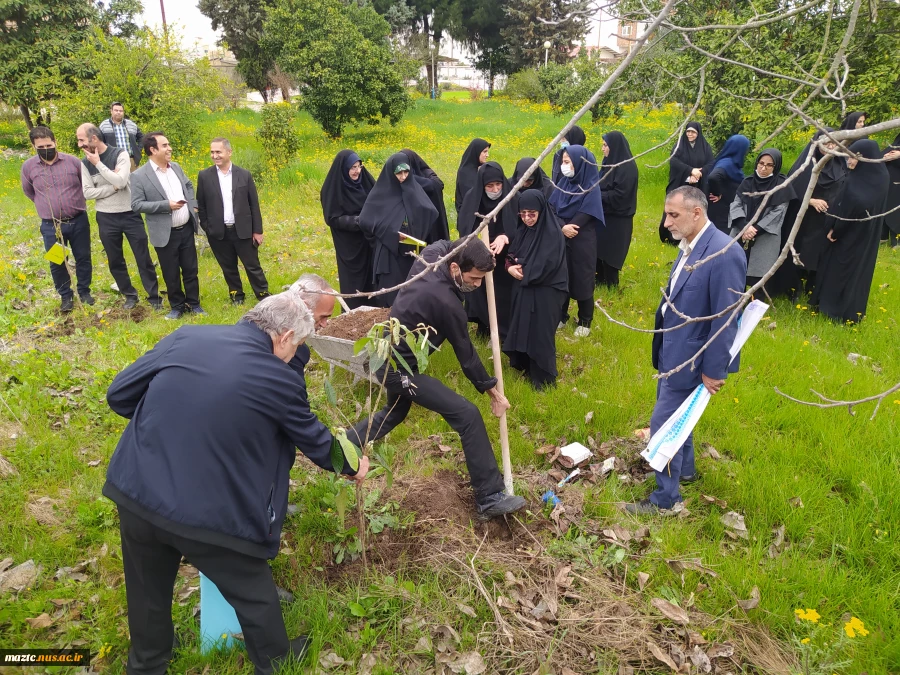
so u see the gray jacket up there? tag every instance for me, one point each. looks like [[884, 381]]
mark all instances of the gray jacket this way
[[149, 197]]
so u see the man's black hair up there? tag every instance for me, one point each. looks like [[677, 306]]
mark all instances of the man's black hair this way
[[116, 103], [41, 132], [150, 141], [473, 254]]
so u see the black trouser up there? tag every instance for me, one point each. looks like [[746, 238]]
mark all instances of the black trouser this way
[[114, 226], [178, 261], [585, 311], [150, 557], [540, 378], [607, 274], [463, 417], [75, 232], [227, 251]]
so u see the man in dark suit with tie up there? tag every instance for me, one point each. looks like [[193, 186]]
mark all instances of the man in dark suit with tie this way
[[230, 216], [705, 291]]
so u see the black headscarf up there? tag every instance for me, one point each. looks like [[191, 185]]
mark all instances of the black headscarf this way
[[468, 167], [340, 195], [754, 183], [541, 249], [391, 202], [619, 183], [434, 188], [851, 120], [833, 172], [583, 199], [574, 136], [540, 181], [687, 157], [476, 201], [893, 167]]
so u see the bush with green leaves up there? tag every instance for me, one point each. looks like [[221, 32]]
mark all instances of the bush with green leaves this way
[[341, 56], [525, 86], [568, 86], [279, 138], [162, 87]]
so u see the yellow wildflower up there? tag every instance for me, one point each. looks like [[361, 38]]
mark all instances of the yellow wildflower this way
[[855, 627], [810, 615], [804, 641]]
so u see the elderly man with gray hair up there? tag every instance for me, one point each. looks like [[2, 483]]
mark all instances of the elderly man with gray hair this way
[[202, 471]]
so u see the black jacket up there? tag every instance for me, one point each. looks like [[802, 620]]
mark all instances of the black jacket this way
[[215, 419], [245, 200], [436, 301]]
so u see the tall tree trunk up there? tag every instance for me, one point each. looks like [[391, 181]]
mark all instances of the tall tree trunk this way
[[265, 95], [26, 115], [286, 94]]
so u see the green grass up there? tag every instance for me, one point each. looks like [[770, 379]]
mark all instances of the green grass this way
[[842, 556]]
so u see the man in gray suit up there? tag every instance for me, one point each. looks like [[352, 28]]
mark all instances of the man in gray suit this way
[[162, 192]]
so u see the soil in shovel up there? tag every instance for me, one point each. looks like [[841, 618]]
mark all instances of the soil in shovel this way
[[354, 325]]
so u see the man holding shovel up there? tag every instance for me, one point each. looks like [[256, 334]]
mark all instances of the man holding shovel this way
[[435, 300]]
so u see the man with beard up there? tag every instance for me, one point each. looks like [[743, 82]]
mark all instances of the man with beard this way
[[435, 300], [106, 178]]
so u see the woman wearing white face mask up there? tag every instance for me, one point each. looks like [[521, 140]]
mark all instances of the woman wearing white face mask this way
[[575, 136], [490, 187], [579, 205]]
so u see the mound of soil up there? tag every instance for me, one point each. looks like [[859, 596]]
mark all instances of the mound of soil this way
[[354, 325]]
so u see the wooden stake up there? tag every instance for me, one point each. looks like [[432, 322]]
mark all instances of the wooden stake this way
[[498, 369]]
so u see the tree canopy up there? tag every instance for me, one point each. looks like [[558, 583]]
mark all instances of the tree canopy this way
[[341, 57]]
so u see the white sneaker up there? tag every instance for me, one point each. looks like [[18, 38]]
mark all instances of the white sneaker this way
[[582, 331]]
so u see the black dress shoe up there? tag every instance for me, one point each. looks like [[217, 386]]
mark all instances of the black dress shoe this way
[[174, 315], [87, 299], [131, 302], [499, 504], [66, 305], [693, 478]]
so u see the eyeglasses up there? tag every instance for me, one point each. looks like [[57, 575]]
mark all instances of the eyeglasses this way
[[766, 165]]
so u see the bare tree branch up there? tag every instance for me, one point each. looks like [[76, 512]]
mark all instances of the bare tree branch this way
[[831, 403]]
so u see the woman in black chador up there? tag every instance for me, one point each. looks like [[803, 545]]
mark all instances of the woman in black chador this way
[[396, 207], [579, 205], [475, 155], [537, 260], [791, 279], [490, 187], [848, 263], [574, 136], [434, 188], [343, 194], [619, 185], [892, 220], [690, 163], [536, 181]]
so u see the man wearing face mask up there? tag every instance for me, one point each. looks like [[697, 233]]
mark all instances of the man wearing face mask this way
[[52, 180], [225, 505], [435, 300]]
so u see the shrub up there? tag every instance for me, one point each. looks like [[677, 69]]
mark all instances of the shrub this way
[[525, 86], [162, 88], [569, 86], [279, 138]]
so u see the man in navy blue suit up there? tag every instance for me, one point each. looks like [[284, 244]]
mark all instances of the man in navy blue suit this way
[[705, 291]]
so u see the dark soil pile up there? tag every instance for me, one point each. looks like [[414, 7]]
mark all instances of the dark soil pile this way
[[354, 325]]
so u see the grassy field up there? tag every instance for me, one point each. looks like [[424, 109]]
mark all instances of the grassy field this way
[[821, 480]]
